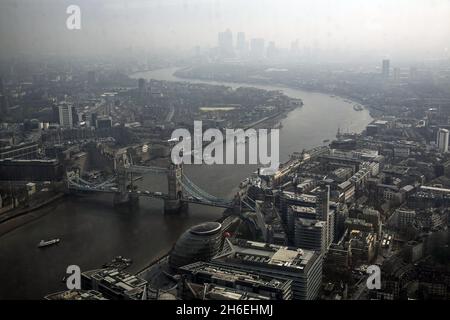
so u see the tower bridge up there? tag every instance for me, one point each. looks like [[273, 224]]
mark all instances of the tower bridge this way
[[181, 190]]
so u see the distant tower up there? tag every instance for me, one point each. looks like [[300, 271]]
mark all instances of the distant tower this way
[[257, 47], [442, 140], [323, 203], [324, 214], [175, 190], [385, 68], [240, 42], [225, 42], [397, 74], [65, 115], [141, 84]]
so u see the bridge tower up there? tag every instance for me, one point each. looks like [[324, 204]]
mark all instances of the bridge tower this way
[[122, 196], [174, 201]]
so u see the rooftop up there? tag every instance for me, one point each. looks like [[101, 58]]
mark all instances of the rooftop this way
[[228, 273], [76, 295], [300, 197], [301, 209], [206, 228], [268, 254], [120, 281]]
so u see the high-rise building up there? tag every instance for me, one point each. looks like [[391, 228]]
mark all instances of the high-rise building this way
[[257, 48], [93, 119], [288, 199], [324, 213], [141, 85], [313, 206], [311, 234], [65, 115], [104, 122], [241, 44], [225, 42], [397, 74], [442, 140], [385, 68], [323, 203]]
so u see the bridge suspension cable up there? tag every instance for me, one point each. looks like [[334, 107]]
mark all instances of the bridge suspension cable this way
[[193, 190], [189, 182]]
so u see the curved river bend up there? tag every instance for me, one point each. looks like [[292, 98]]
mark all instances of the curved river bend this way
[[92, 231]]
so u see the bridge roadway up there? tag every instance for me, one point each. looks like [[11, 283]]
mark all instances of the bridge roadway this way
[[157, 195], [191, 192]]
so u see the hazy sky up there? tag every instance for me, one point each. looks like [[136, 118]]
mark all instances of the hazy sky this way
[[420, 28]]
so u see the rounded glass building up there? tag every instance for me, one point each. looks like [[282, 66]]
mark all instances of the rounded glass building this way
[[199, 243]]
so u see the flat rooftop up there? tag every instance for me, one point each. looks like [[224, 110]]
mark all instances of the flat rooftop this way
[[76, 295], [269, 254], [308, 198], [230, 274], [117, 280], [301, 209]]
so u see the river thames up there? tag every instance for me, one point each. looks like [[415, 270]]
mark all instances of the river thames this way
[[92, 231]]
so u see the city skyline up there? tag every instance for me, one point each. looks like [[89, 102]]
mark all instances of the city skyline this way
[[195, 150], [352, 28]]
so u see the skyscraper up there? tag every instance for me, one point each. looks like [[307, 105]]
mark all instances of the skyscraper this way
[[241, 45], [385, 68], [442, 139], [257, 48], [324, 213], [65, 115], [225, 41], [397, 74], [142, 86]]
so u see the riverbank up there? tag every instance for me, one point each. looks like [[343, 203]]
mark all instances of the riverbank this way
[[372, 110], [21, 217], [17, 212], [178, 73]]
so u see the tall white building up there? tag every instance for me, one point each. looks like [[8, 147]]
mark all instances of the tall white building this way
[[65, 116], [225, 41], [385, 68], [241, 44], [442, 140], [257, 47]]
